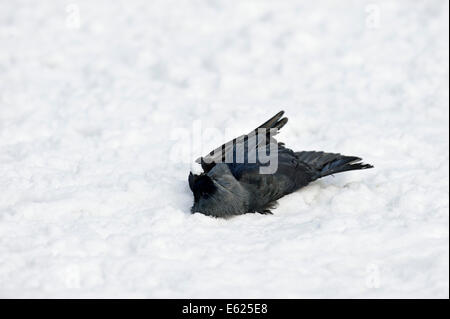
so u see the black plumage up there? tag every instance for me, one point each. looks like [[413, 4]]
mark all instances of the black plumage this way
[[233, 184]]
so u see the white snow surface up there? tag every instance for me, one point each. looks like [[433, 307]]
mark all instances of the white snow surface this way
[[94, 201]]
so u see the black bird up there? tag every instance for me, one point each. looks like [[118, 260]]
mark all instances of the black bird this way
[[234, 181]]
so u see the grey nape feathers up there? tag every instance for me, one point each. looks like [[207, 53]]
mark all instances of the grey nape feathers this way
[[235, 187]]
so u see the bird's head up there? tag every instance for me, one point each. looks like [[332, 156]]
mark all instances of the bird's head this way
[[218, 196], [202, 186]]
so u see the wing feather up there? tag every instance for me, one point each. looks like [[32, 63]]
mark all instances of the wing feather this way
[[244, 144]]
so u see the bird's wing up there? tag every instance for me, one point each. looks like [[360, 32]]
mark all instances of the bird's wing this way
[[289, 176], [246, 145]]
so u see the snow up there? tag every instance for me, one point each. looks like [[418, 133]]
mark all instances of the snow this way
[[95, 95]]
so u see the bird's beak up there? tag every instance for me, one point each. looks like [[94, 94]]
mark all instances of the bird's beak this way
[[191, 181]]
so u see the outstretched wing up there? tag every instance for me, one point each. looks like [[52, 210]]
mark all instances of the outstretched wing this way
[[246, 144]]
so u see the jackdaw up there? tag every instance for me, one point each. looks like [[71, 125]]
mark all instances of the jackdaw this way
[[237, 177]]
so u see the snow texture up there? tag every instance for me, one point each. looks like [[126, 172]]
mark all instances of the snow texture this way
[[94, 198]]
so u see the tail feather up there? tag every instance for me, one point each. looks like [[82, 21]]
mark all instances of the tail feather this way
[[325, 164]]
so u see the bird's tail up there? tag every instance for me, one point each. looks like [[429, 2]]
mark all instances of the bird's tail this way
[[325, 164]]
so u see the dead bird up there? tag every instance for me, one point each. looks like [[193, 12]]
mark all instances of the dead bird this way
[[251, 172]]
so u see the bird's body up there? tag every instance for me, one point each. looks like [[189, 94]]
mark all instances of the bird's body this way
[[228, 188]]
